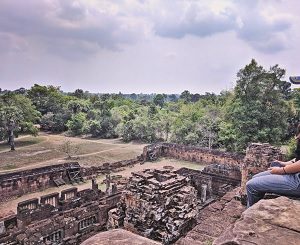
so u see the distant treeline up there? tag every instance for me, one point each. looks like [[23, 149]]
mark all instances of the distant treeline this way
[[261, 108]]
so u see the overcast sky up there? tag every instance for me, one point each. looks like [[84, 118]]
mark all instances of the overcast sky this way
[[159, 46]]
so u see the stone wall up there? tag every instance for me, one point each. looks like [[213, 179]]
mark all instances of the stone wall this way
[[68, 217], [258, 158], [190, 153], [19, 183], [218, 179]]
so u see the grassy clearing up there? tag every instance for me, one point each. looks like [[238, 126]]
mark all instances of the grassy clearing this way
[[23, 141], [9, 166], [45, 149]]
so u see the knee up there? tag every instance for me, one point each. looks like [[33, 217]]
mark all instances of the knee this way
[[250, 185]]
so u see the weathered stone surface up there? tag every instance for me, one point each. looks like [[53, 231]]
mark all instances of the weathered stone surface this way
[[213, 220], [258, 158], [274, 221], [68, 218], [158, 204], [190, 153], [118, 237]]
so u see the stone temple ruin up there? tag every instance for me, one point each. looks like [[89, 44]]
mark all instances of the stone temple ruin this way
[[161, 204], [158, 204], [68, 217]]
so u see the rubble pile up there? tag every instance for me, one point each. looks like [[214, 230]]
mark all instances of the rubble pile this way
[[158, 204]]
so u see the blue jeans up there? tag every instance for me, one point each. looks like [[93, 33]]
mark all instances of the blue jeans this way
[[261, 183]]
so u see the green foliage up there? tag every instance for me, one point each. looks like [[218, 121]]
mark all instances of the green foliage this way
[[291, 148], [76, 123], [18, 109], [159, 100], [104, 128], [258, 111], [261, 108], [54, 122], [47, 98], [186, 96]]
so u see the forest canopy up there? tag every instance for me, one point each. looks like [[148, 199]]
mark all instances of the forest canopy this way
[[261, 108]]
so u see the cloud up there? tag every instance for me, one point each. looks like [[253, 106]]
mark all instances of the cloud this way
[[258, 23], [263, 30], [62, 26], [171, 55], [192, 18], [82, 28]]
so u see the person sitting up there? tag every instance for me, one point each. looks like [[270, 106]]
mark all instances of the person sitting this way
[[282, 178]]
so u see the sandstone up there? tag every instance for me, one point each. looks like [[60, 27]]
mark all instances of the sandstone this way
[[213, 221], [158, 204], [258, 158], [118, 237], [273, 221]]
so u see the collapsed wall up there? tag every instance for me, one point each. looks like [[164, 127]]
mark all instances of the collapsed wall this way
[[158, 204], [190, 153], [68, 217], [214, 180], [27, 181], [21, 182]]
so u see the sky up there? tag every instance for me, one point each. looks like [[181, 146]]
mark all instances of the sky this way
[[144, 46]]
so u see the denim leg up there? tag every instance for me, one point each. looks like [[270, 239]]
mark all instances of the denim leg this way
[[288, 184], [268, 172]]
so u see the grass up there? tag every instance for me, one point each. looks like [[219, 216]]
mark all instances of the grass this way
[[9, 166], [21, 142], [45, 150]]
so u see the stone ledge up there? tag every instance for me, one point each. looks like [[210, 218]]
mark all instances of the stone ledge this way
[[118, 237], [273, 221]]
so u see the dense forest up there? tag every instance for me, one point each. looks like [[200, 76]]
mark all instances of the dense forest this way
[[261, 108]]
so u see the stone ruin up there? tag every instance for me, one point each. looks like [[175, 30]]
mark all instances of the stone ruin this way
[[190, 153], [158, 204], [69, 217], [258, 158]]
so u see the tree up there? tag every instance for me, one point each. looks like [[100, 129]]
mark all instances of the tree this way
[[69, 148], [54, 122], [186, 96], [259, 111], [79, 93], [133, 96], [195, 97], [76, 106], [77, 123], [159, 100], [17, 114], [47, 98], [172, 98]]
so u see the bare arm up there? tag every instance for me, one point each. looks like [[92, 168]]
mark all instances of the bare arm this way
[[286, 163], [292, 168], [287, 169]]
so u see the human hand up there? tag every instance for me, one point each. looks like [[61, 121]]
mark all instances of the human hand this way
[[276, 170]]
